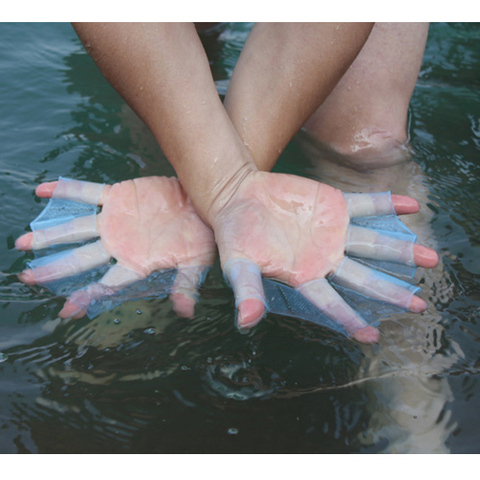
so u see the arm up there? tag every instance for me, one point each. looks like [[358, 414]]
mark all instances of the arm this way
[[162, 72]]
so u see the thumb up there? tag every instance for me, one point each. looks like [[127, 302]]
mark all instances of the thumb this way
[[245, 278]]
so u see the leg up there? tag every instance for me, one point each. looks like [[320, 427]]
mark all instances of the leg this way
[[409, 403], [365, 115]]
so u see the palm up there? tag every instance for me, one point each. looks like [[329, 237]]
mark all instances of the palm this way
[[296, 227], [149, 224]]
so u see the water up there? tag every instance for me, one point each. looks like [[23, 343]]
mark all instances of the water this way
[[140, 380]]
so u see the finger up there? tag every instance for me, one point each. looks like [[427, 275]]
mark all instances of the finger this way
[[184, 292], [79, 303], [425, 257], [378, 286], [245, 278], [25, 242], [72, 307], [85, 302], [74, 190], [369, 204], [46, 189], [321, 294], [65, 264], [404, 204], [370, 243], [372, 204], [119, 277], [77, 230]]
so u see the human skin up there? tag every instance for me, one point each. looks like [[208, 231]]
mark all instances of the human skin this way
[[163, 73], [146, 224], [149, 224], [365, 117], [362, 117], [284, 73]]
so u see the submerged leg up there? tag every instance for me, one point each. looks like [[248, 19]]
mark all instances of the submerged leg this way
[[409, 405]]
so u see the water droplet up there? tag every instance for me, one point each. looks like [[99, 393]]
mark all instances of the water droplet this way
[[232, 431], [150, 331], [3, 357], [116, 321]]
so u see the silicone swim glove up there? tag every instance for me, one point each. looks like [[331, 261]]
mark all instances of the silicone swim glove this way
[[374, 279], [147, 241]]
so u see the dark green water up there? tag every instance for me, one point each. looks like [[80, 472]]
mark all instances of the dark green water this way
[[141, 380]]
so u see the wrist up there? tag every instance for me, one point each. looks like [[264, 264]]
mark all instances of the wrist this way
[[223, 193], [212, 163]]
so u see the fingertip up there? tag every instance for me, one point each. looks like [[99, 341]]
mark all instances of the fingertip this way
[[425, 257], [250, 312], [183, 305], [45, 190], [404, 204], [27, 276], [417, 305], [25, 242], [71, 310], [367, 335]]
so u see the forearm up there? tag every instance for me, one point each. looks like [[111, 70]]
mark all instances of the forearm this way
[[162, 72], [285, 71]]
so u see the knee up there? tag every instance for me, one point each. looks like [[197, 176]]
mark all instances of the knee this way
[[376, 141], [365, 148], [362, 133]]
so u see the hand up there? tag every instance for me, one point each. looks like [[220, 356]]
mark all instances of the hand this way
[[146, 225], [295, 230]]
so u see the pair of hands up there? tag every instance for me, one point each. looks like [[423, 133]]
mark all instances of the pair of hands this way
[[294, 229]]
